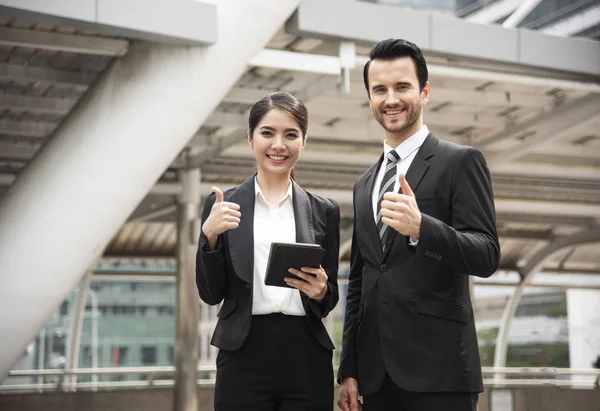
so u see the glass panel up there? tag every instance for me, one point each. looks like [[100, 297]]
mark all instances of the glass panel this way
[[538, 335], [48, 350], [128, 324]]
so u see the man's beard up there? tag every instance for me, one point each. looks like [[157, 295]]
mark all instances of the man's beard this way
[[411, 117]]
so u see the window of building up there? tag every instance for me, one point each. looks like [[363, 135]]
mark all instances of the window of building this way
[[64, 308], [121, 354], [171, 355], [148, 355]]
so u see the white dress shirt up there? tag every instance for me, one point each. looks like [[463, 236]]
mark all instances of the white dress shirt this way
[[272, 223], [407, 150]]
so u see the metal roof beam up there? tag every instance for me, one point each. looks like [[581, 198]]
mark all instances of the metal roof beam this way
[[574, 24], [70, 43], [18, 150], [23, 74], [536, 262], [26, 128], [7, 179], [494, 11], [39, 105], [175, 22], [545, 219], [365, 128], [363, 152], [549, 123], [447, 37], [502, 205], [481, 98]]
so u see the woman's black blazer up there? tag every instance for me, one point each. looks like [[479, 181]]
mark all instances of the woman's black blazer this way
[[227, 272]]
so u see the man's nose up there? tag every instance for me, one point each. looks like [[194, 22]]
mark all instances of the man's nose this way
[[391, 97]]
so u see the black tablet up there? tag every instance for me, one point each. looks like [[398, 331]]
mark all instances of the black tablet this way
[[284, 256]]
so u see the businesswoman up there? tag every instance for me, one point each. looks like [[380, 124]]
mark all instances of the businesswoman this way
[[274, 352]]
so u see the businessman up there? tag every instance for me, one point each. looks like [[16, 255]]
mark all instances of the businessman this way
[[424, 221]]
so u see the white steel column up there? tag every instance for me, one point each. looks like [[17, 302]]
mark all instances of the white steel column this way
[[77, 314], [66, 206], [185, 394], [583, 308], [507, 316]]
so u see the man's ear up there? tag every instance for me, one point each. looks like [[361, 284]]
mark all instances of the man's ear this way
[[425, 92]]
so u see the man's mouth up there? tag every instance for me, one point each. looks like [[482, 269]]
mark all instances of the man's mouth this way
[[392, 113]]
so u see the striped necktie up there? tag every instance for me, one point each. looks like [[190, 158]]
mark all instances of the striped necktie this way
[[387, 185]]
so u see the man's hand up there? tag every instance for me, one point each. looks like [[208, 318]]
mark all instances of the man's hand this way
[[223, 216], [400, 211], [313, 283], [348, 396]]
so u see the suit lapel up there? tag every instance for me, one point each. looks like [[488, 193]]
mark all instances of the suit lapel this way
[[414, 175], [304, 225], [303, 215], [420, 165], [364, 208], [241, 239]]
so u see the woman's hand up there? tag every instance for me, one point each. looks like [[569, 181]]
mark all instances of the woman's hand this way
[[223, 216], [313, 283]]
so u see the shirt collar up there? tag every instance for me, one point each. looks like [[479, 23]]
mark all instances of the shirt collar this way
[[259, 194], [408, 146]]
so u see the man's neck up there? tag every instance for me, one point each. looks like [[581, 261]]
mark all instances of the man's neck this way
[[395, 139]]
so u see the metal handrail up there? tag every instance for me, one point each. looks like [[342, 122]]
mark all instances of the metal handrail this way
[[151, 372], [540, 370], [154, 370], [168, 369]]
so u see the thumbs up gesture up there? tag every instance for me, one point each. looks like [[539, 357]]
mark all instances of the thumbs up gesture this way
[[223, 216], [400, 211]]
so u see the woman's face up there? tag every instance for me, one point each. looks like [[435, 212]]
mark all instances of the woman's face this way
[[277, 142]]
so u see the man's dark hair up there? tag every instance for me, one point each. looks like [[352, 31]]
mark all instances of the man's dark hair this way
[[391, 49]]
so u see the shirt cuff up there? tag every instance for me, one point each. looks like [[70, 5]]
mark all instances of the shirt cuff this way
[[206, 247], [413, 241]]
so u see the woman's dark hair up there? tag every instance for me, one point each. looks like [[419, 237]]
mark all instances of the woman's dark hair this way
[[282, 101], [391, 49]]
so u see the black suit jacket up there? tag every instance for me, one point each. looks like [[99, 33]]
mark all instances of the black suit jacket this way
[[408, 309], [227, 272]]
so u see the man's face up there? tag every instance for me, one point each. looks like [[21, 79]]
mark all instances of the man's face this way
[[395, 98]]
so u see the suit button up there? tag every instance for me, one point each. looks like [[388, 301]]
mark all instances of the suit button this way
[[248, 286], [383, 267]]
